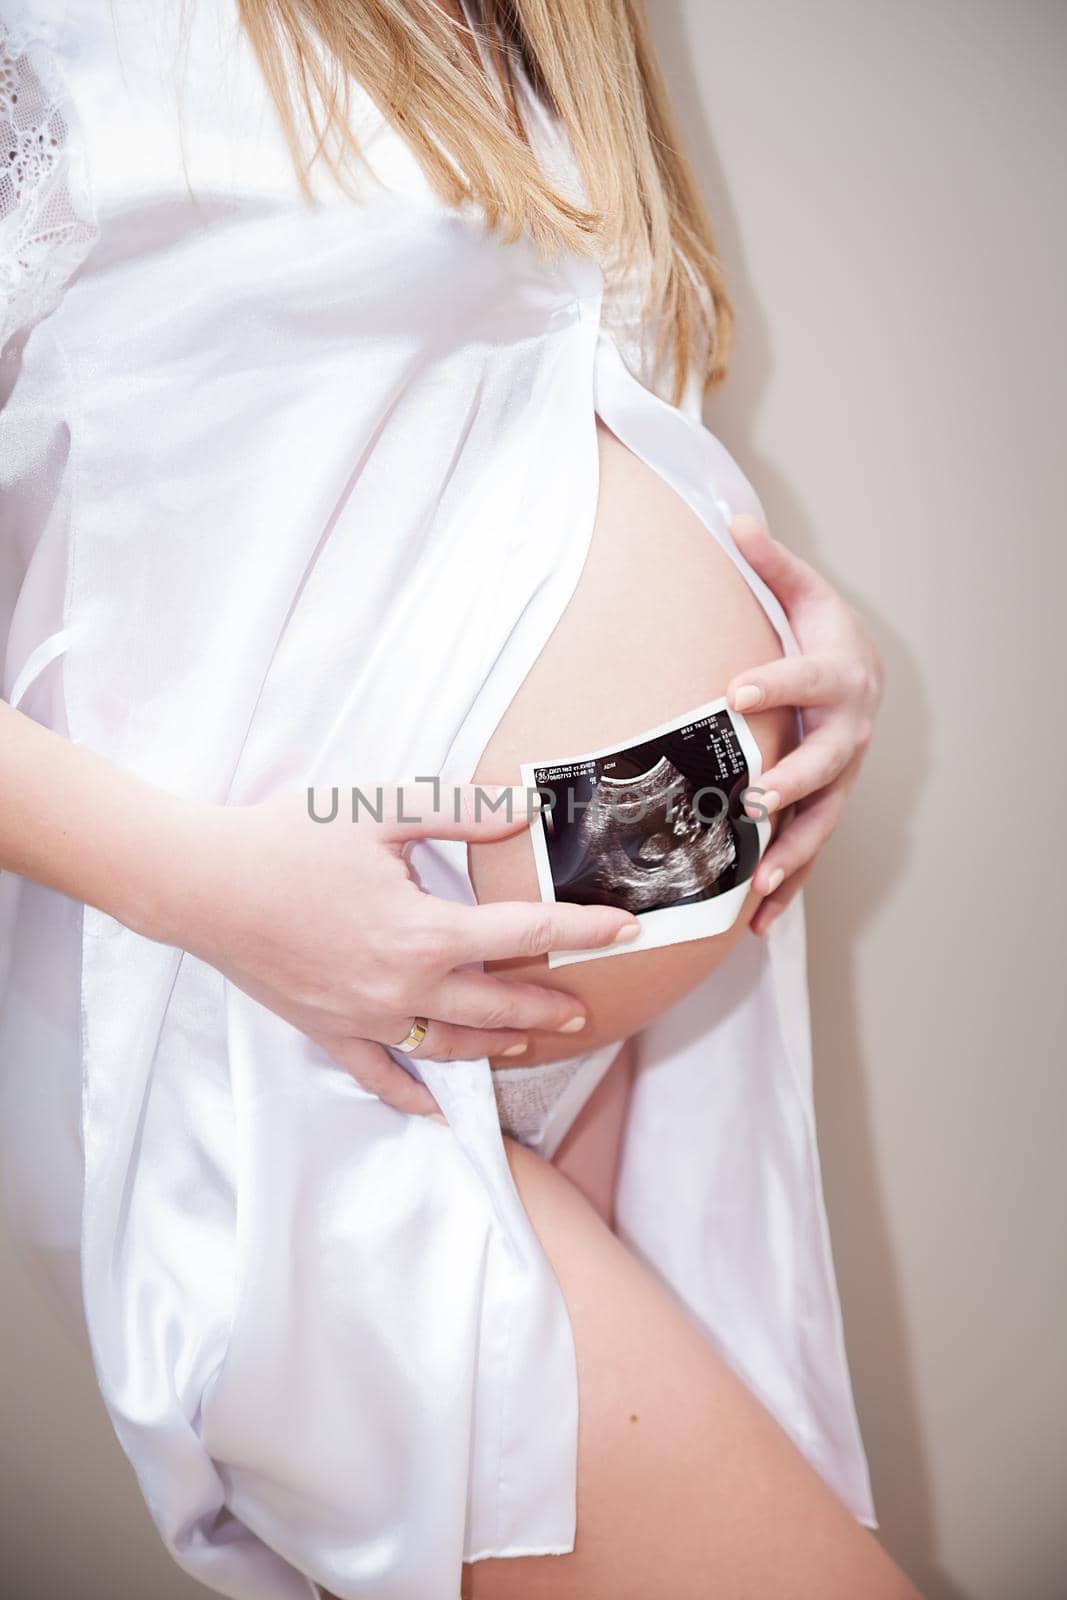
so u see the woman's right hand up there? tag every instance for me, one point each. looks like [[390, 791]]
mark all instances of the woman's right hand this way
[[324, 924]]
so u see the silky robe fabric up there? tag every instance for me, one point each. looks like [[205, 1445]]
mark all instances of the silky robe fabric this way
[[298, 495]]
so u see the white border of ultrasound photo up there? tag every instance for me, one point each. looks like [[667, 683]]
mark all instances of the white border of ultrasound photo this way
[[668, 924]]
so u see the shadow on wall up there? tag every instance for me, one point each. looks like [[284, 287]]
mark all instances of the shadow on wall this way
[[874, 1321]]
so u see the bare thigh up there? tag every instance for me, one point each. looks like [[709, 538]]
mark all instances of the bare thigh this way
[[659, 622], [687, 1487]]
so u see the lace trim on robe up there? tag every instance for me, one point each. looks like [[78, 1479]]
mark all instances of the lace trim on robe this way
[[47, 226]]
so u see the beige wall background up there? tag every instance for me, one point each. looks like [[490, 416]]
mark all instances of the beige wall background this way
[[888, 181]]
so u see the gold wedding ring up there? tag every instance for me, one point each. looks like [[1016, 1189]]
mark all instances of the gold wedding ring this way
[[414, 1036]]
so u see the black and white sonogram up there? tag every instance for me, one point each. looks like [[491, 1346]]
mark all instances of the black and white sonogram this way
[[656, 827]]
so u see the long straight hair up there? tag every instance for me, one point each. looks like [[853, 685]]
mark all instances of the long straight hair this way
[[591, 62]]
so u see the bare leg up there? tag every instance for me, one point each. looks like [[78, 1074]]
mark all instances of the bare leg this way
[[687, 1487]]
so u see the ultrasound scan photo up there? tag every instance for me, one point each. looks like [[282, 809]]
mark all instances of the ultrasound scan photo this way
[[657, 828]]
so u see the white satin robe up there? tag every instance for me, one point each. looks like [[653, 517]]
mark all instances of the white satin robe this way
[[294, 495]]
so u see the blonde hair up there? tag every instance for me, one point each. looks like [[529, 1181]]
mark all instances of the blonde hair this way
[[592, 63]]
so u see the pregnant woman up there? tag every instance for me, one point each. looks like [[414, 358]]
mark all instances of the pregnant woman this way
[[353, 355]]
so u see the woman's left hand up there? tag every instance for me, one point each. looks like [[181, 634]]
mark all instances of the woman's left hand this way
[[837, 682]]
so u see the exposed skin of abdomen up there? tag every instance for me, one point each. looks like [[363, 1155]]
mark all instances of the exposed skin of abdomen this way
[[659, 622]]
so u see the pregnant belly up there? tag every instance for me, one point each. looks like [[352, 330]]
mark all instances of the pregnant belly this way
[[658, 624]]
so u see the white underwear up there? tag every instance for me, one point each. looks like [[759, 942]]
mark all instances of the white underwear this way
[[538, 1105]]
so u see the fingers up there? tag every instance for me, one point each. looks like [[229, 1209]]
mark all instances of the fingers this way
[[783, 572], [792, 681], [478, 1000], [507, 929], [375, 1070], [447, 1041], [434, 808], [815, 764], [800, 841], [772, 908]]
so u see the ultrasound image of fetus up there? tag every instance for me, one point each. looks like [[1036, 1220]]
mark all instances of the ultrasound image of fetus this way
[[636, 840]]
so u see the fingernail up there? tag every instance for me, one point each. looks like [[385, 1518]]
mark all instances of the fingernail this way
[[435, 1116], [775, 879], [770, 800], [744, 522], [515, 1049], [747, 697], [627, 933], [575, 1025]]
